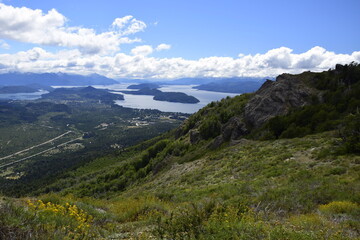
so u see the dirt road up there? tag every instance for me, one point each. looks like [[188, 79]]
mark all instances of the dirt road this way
[[37, 154], [27, 149]]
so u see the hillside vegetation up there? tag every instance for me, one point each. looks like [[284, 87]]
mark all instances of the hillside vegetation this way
[[280, 163]]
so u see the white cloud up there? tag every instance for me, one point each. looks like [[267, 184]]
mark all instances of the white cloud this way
[[163, 46], [143, 50], [85, 51], [33, 26], [121, 22], [141, 65], [277, 58], [356, 56], [128, 25]]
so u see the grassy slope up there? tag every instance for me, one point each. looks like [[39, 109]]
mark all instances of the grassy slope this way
[[288, 189], [294, 175], [168, 188]]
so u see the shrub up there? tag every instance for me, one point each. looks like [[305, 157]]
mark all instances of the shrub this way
[[210, 127], [39, 220], [337, 171], [135, 209], [211, 220], [73, 222], [350, 133], [340, 207]]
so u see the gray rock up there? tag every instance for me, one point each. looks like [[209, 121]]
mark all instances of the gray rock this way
[[194, 136], [275, 98], [217, 142], [234, 129]]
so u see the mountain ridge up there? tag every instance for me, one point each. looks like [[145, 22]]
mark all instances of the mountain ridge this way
[[53, 79], [228, 86]]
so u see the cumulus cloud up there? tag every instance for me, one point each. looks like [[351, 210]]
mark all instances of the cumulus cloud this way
[[143, 50], [128, 25], [356, 55], [85, 51], [140, 65], [34, 26], [163, 46]]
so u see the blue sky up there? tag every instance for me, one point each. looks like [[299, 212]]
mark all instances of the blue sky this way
[[199, 38]]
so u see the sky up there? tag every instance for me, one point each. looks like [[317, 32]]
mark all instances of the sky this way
[[162, 39]]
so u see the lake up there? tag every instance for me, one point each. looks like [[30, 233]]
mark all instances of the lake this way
[[147, 102], [144, 101]]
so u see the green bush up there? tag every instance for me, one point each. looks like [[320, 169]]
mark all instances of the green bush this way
[[350, 133], [210, 220], [210, 128]]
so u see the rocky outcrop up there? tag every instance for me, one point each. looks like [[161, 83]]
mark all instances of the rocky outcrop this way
[[276, 98], [194, 136], [216, 143], [234, 129]]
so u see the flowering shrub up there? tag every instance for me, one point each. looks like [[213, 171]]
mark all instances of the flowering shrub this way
[[69, 219]]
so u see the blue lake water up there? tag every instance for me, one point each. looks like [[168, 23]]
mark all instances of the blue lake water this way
[[147, 102], [144, 101]]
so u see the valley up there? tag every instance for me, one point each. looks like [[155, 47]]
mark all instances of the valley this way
[[38, 135], [279, 163]]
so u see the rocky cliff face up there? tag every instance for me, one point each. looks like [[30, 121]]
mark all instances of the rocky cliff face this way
[[234, 129], [276, 98]]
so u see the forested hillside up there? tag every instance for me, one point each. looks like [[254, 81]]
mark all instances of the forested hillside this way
[[280, 163]]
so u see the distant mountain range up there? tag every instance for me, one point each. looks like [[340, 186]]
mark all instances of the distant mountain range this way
[[228, 85], [200, 81], [231, 86], [53, 79], [195, 80]]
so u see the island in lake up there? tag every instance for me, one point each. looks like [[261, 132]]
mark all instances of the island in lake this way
[[144, 85], [175, 97], [144, 89]]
